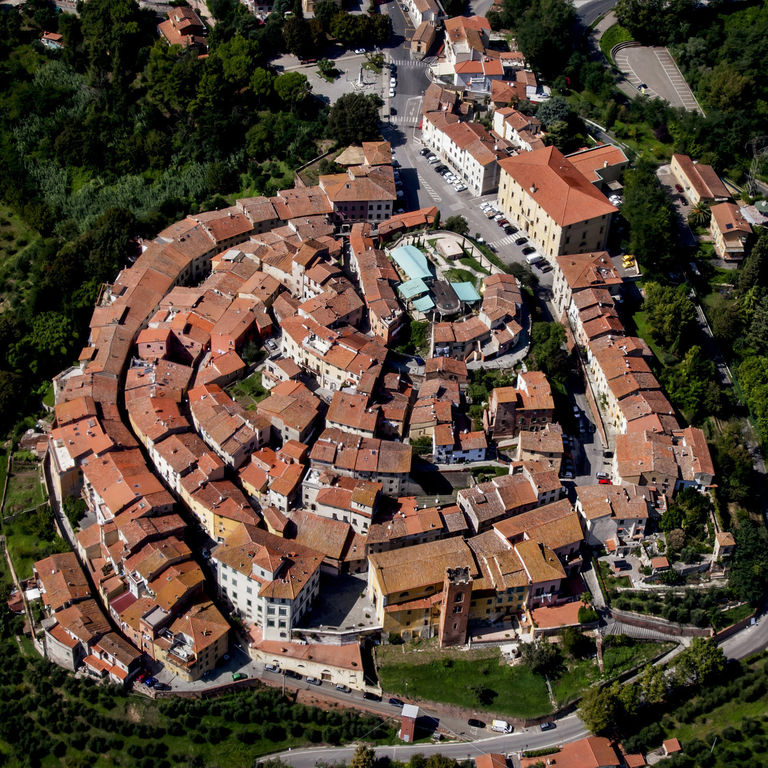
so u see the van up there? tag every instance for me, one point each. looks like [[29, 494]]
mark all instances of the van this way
[[532, 258], [501, 726]]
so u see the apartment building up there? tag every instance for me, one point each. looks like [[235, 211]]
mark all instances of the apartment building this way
[[545, 195], [271, 582], [699, 181], [730, 231], [526, 406]]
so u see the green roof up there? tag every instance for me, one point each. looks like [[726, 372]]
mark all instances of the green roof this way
[[466, 291], [412, 288], [424, 304], [412, 261]]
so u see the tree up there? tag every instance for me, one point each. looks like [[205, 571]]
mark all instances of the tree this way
[[325, 10], [354, 118], [643, 18], [547, 353], [544, 35], [749, 570], [292, 88], [457, 224], [671, 315], [600, 708], [554, 110], [542, 657], [576, 644], [700, 214], [648, 212], [754, 270], [701, 663], [364, 757], [262, 85], [297, 36]]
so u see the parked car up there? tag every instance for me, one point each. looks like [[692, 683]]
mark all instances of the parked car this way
[[360, 50], [576, 410], [391, 93], [393, 82], [142, 677], [239, 676], [314, 681], [150, 681], [547, 726], [521, 241], [432, 159], [510, 229], [528, 250], [343, 688], [502, 222], [679, 188], [272, 668], [161, 686], [293, 675], [424, 151], [371, 696], [395, 702], [605, 481], [475, 723]]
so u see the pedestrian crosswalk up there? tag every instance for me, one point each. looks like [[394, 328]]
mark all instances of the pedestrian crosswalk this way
[[508, 240], [402, 120], [409, 64], [429, 188]]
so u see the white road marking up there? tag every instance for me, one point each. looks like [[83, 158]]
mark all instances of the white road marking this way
[[429, 188]]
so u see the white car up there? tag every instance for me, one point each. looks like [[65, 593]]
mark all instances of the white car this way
[[393, 82], [391, 93], [360, 50], [461, 187]]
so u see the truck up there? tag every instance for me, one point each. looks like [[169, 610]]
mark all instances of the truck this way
[[501, 726]]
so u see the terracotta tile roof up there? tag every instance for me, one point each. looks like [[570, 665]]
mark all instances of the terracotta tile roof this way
[[83, 620], [353, 411], [729, 219], [341, 656], [622, 502], [401, 570], [540, 563], [702, 177], [589, 161], [588, 270], [557, 186], [61, 580]]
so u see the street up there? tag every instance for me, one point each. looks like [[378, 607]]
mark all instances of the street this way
[[568, 729]]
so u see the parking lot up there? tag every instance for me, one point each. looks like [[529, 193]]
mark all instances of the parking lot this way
[[652, 70]]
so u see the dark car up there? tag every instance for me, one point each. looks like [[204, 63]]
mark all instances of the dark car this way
[[371, 696], [314, 681], [521, 241], [475, 723], [395, 702], [423, 151], [161, 687], [679, 188], [547, 726], [528, 249], [441, 168], [510, 229], [150, 681], [294, 675]]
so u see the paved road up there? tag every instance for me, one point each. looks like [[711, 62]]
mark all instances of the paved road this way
[[568, 729], [590, 10], [748, 641]]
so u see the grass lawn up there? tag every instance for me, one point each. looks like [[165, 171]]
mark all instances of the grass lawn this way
[[578, 676], [25, 491], [610, 580], [460, 276], [613, 36], [732, 615], [620, 658], [474, 680], [249, 392], [471, 263], [31, 537]]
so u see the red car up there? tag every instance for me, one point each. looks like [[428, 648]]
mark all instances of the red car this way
[[678, 188], [502, 222], [604, 481]]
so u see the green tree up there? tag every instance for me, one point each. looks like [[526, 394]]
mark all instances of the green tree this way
[[262, 85], [457, 224], [700, 214], [364, 757], [354, 118], [547, 352], [292, 88], [701, 663], [643, 18], [749, 571], [542, 657], [671, 315], [600, 709], [297, 36], [576, 644], [754, 270], [325, 10], [544, 35], [649, 215]]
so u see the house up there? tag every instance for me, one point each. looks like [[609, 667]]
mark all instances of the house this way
[[353, 413], [615, 512], [446, 368], [185, 28], [591, 752], [363, 193], [466, 38], [270, 581], [380, 461], [522, 131], [424, 10], [725, 544], [53, 41], [465, 447], [423, 39], [477, 77], [546, 443], [468, 147], [292, 410], [603, 166], [528, 405], [543, 193], [61, 581], [485, 503], [730, 231], [669, 462], [699, 181], [579, 272]]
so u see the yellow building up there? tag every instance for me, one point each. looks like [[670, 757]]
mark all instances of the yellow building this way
[[543, 194]]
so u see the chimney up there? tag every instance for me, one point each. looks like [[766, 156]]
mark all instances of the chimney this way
[[533, 189]]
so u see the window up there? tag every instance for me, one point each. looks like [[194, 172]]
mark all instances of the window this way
[[459, 597]]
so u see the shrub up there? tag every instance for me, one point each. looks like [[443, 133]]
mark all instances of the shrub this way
[[587, 615]]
